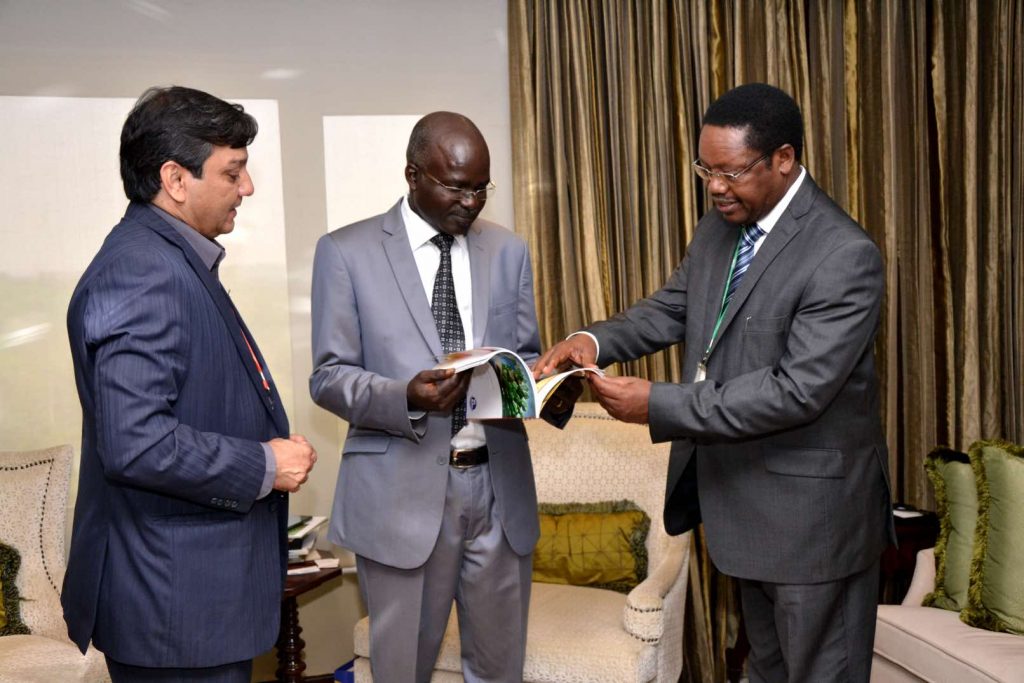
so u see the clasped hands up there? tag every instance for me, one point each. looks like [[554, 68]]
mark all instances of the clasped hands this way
[[625, 398], [294, 458]]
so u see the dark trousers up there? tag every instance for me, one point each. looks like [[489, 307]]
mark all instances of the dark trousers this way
[[237, 672], [822, 632]]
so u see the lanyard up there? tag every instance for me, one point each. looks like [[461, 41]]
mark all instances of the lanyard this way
[[259, 368], [724, 305]]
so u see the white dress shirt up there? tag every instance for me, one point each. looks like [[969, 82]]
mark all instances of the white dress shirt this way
[[428, 260]]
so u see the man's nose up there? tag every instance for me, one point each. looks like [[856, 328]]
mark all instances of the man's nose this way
[[471, 200], [246, 188], [716, 185]]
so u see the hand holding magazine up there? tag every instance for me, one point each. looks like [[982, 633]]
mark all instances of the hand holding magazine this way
[[502, 385]]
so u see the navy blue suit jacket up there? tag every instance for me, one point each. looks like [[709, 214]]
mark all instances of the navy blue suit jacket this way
[[173, 562]]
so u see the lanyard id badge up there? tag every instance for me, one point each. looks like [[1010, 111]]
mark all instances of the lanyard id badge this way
[[702, 366]]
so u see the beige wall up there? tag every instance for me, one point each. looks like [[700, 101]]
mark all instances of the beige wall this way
[[314, 58]]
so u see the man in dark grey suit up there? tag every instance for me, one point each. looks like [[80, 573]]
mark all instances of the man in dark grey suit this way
[[434, 509], [776, 435], [178, 550]]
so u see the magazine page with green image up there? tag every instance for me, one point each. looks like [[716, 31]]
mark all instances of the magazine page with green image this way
[[502, 385]]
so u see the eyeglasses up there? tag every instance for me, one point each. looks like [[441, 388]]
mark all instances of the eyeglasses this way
[[706, 174], [465, 193]]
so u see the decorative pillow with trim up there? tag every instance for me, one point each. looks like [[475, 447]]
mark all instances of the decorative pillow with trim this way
[[956, 497], [10, 609], [592, 544], [995, 599]]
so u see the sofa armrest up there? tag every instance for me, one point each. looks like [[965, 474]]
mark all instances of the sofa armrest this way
[[923, 581], [644, 614]]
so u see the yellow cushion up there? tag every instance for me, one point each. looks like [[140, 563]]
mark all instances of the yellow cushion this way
[[592, 544]]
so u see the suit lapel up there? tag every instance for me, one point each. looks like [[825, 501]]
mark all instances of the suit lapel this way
[[273, 400], [480, 269], [722, 252], [233, 321], [403, 266], [784, 230]]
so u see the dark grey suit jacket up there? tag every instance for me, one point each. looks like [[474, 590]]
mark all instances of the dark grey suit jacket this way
[[372, 332], [173, 562], [780, 451]]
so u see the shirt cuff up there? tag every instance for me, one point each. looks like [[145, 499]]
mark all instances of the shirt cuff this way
[[597, 344], [418, 421], [271, 471]]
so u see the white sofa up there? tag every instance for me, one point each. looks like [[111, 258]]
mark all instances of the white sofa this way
[[915, 643], [33, 501], [590, 635]]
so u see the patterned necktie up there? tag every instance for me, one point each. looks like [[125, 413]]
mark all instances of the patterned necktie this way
[[446, 314], [748, 236]]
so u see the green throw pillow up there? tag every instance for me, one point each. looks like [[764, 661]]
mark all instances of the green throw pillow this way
[[995, 599], [592, 544], [956, 497], [10, 609]]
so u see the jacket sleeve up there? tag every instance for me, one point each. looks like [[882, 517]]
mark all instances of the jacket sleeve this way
[[136, 329], [339, 382], [649, 325]]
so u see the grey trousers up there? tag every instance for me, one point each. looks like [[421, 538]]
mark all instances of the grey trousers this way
[[820, 632], [472, 564]]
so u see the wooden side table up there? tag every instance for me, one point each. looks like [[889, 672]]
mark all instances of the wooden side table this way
[[290, 664], [897, 564]]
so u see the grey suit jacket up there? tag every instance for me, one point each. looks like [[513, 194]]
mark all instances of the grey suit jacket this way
[[372, 332], [781, 450], [173, 561]]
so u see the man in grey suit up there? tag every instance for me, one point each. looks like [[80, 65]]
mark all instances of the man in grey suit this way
[[177, 558], [434, 509], [776, 436]]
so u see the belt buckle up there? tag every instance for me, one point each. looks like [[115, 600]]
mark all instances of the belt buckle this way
[[454, 459]]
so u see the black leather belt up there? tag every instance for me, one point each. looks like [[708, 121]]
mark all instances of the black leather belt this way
[[463, 458]]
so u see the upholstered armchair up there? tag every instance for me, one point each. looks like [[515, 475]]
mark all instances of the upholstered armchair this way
[[582, 634], [33, 500]]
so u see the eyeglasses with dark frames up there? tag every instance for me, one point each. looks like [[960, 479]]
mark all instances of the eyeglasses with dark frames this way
[[706, 174], [464, 193]]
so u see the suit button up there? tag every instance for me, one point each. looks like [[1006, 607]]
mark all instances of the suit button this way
[[234, 503], [441, 460], [273, 507], [215, 501]]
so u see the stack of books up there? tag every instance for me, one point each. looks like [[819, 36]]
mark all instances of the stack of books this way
[[303, 557]]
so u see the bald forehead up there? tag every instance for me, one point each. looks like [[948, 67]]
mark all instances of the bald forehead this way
[[448, 135], [444, 123]]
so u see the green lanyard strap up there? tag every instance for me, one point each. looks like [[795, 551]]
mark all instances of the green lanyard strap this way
[[724, 305]]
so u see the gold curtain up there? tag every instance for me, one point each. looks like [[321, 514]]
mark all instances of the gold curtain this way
[[914, 112]]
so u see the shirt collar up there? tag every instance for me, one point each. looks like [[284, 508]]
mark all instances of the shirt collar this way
[[209, 251], [769, 221], [420, 232]]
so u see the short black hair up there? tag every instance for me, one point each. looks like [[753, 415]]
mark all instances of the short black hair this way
[[177, 124], [771, 117]]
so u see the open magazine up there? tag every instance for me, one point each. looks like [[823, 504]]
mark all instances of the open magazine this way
[[502, 384]]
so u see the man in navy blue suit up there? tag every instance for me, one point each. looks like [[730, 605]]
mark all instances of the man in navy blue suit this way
[[178, 550]]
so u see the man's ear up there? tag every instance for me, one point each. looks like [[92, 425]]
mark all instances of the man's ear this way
[[412, 176], [786, 157], [172, 180]]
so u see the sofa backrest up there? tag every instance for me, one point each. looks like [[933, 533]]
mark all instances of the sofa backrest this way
[[597, 458], [33, 502]]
